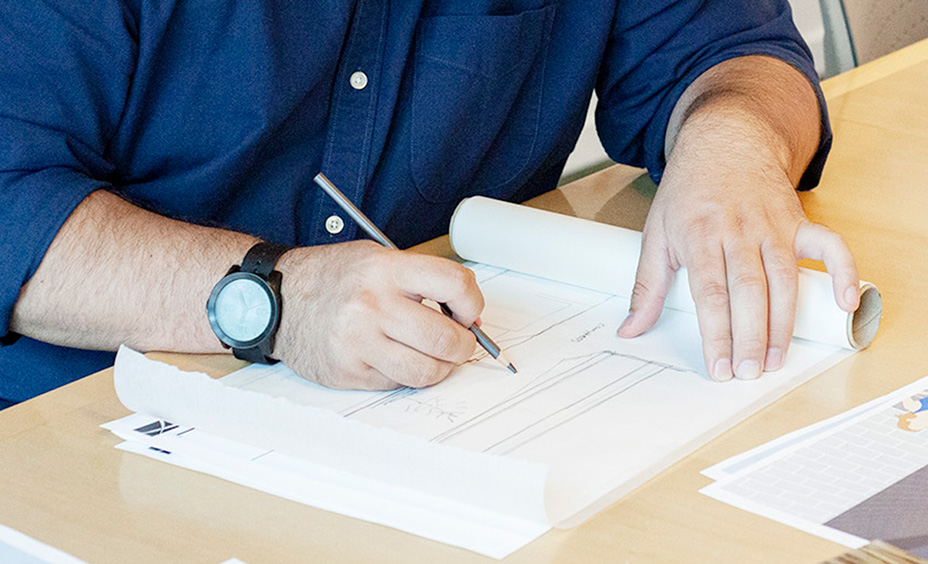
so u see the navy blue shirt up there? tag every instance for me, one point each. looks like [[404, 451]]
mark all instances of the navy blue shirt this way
[[220, 112]]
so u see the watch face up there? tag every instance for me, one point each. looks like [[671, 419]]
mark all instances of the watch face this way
[[242, 309]]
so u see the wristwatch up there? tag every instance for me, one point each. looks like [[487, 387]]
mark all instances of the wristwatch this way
[[244, 307]]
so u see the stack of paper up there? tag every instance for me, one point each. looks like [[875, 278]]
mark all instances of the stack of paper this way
[[859, 476]]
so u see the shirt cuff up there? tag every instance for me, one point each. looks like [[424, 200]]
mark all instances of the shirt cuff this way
[[655, 159], [33, 207]]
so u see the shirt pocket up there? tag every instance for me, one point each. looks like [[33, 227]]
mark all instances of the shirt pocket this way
[[476, 99]]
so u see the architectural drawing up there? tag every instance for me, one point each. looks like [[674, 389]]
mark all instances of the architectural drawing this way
[[571, 364], [595, 409]]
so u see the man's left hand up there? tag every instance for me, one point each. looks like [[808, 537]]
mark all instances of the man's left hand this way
[[727, 210]]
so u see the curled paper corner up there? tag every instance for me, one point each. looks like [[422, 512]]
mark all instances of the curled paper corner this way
[[414, 476]]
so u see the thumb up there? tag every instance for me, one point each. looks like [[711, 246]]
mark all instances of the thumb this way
[[817, 242], [652, 283]]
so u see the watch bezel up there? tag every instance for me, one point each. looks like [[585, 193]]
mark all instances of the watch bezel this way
[[211, 310]]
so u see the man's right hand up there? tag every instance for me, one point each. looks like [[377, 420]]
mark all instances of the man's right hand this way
[[353, 317]]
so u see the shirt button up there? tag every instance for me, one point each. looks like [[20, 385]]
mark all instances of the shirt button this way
[[358, 80], [334, 224]]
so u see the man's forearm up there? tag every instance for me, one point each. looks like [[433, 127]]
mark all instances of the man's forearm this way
[[758, 97], [352, 315], [116, 274]]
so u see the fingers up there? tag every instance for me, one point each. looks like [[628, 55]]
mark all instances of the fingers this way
[[428, 331], [747, 288], [362, 378], [761, 289], [403, 344], [782, 287], [406, 366], [709, 286], [441, 280], [817, 242], [652, 283], [414, 345], [355, 320]]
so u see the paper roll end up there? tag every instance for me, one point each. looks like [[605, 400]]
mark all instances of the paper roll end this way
[[863, 324], [451, 224]]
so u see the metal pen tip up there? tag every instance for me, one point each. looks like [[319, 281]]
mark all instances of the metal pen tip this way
[[512, 368]]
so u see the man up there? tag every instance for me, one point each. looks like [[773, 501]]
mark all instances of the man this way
[[145, 147]]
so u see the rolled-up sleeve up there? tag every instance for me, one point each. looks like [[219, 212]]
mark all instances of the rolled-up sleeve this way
[[657, 49], [65, 71]]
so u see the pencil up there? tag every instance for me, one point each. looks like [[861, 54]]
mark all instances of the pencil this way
[[377, 235]]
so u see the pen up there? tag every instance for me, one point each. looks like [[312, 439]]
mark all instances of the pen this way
[[377, 235]]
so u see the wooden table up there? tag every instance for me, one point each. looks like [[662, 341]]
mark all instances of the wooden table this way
[[62, 482]]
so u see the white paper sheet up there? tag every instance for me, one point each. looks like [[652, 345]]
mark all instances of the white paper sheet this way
[[759, 454], [851, 478], [18, 548], [488, 504]]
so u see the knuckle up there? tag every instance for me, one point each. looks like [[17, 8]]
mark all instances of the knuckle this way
[[467, 350], [462, 280], [825, 236], [371, 379], [698, 253], [443, 370], [698, 228], [380, 260], [719, 343], [445, 340], [422, 372], [713, 295], [367, 250], [751, 282], [363, 305], [469, 300], [781, 268], [350, 375], [831, 237], [479, 304], [641, 289], [751, 344]]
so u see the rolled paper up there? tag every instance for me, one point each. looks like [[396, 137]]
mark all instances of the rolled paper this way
[[605, 258]]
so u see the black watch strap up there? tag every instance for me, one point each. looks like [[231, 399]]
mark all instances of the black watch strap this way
[[258, 354], [261, 258]]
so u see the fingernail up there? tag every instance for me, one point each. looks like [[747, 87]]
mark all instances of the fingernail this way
[[722, 371], [626, 323], [774, 360], [851, 295], [748, 370]]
